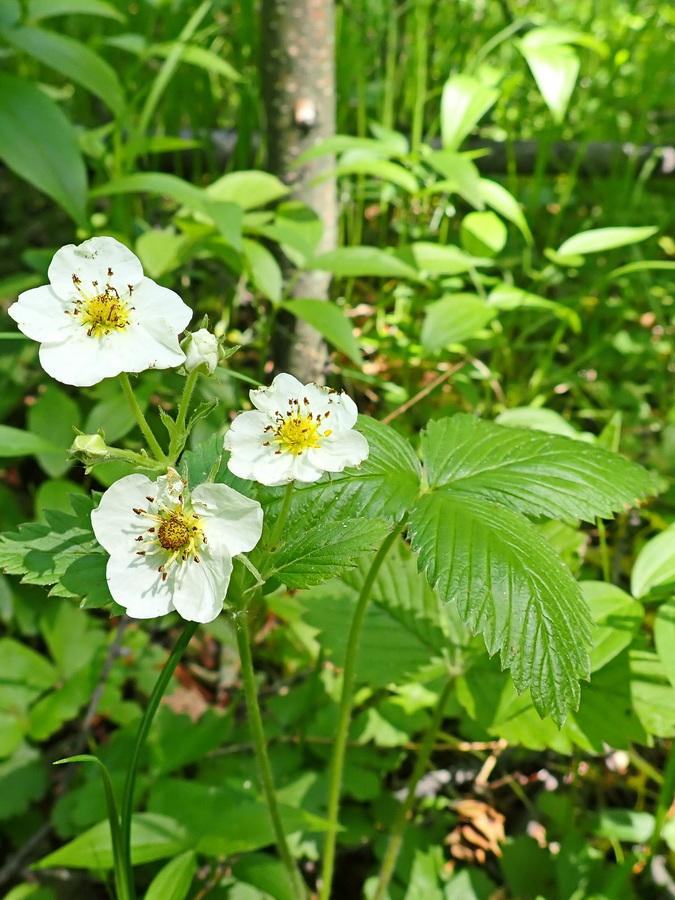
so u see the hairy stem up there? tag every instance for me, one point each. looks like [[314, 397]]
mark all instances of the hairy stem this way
[[141, 736], [396, 837], [153, 443], [344, 715], [298, 887]]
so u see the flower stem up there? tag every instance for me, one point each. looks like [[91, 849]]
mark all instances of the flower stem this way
[[141, 735], [153, 443], [283, 513], [396, 837], [298, 887], [181, 417], [344, 715]]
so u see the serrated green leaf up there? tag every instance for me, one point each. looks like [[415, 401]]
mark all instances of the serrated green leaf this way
[[531, 472], [153, 837], [313, 555], [510, 586]]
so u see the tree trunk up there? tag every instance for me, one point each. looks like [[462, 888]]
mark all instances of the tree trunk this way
[[298, 81]]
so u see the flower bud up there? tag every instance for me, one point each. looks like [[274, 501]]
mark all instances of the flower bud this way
[[201, 352], [91, 449]]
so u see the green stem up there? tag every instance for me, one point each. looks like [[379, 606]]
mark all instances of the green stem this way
[[178, 443], [283, 513], [396, 837], [344, 715], [665, 801], [153, 443], [298, 887], [143, 729]]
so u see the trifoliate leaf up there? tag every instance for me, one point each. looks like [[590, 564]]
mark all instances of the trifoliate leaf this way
[[533, 473], [510, 586]]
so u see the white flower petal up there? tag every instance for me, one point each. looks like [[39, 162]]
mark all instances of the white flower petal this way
[[231, 520], [349, 448], [135, 584], [115, 519], [91, 262], [156, 304], [343, 411], [276, 396], [199, 588], [42, 316]]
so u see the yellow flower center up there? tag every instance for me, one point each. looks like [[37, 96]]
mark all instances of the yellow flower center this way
[[297, 430], [178, 532], [101, 312]]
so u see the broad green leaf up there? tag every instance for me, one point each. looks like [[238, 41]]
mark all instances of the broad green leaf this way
[[174, 880], [441, 259], [655, 564], [264, 270], [313, 555], [555, 35], [496, 196], [464, 101], [664, 637], [10, 13], [531, 472], [85, 578], [460, 174], [508, 297], [483, 234], [555, 69], [540, 419], [54, 418], [24, 674], [330, 320], [652, 693], [161, 250], [617, 615], [16, 442], [510, 586], [354, 262], [30, 892], [379, 168], [23, 780], [153, 837], [248, 189], [172, 186], [39, 144], [44, 9], [297, 228], [55, 494], [453, 319], [74, 60], [174, 742], [599, 239], [229, 220], [265, 873]]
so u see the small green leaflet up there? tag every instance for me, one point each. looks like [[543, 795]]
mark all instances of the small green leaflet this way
[[510, 585], [531, 472]]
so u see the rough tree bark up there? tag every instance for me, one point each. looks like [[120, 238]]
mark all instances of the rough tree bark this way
[[298, 80]]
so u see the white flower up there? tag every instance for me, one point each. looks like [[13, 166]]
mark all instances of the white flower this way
[[170, 549], [201, 351], [100, 316], [296, 432]]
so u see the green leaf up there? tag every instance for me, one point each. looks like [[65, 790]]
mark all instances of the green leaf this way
[[441, 259], [24, 674], [172, 186], [85, 578], [460, 173], [664, 637], [296, 228], [248, 189], [309, 556], [16, 442], [464, 101], [642, 265], [265, 873], [509, 297], [264, 270], [453, 319], [330, 320], [201, 57], [598, 239], [44, 9], [354, 262], [510, 586], [74, 60], [379, 168], [161, 250], [23, 780], [39, 144], [174, 880], [555, 69], [531, 472], [496, 196], [655, 564], [343, 143], [153, 837], [618, 617], [54, 418], [483, 234], [540, 419]]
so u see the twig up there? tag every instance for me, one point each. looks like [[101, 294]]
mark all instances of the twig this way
[[423, 393]]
